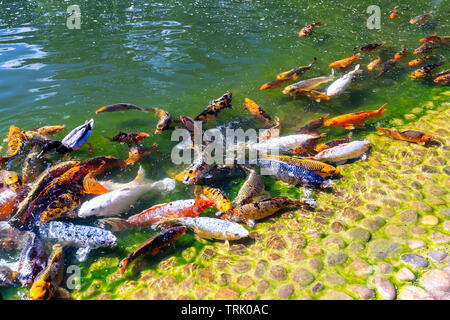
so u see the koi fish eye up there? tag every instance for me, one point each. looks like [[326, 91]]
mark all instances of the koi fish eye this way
[[13, 181]]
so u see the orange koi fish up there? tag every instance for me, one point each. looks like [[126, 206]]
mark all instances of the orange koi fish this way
[[394, 14], [401, 54], [275, 84], [313, 126], [373, 64], [293, 74], [221, 202], [308, 30], [407, 135], [419, 61], [349, 121], [345, 62], [443, 77], [49, 130], [434, 38], [424, 48], [424, 71], [257, 111]]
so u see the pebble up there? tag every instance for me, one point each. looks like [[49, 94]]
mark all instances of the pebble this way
[[277, 272], [437, 282], [335, 295], [295, 255], [334, 278], [437, 255], [408, 216], [314, 249], [244, 281], [439, 237], [317, 287], [394, 231], [260, 268], [414, 259], [416, 244], [302, 276], [373, 224], [284, 291], [334, 240], [430, 220], [206, 274], [385, 267], [414, 293], [382, 248], [242, 266], [404, 274], [262, 286], [315, 264], [362, 291], [275, 241], [358, 234], [385, 288], [355, 246], [361, 268], [337, 226], [336, 258], [226, 294]]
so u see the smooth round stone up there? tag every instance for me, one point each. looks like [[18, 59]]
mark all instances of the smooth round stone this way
[[250, 295], [275, 241], [439, 237], [385, 267], [334, 278], [317, 287], [404, 274], [417, 110], [408, 216], [262, 286], [314, 249], [437, 255], [336, 258], [447, 225], [284, 291], [437, 282], [414, 293], [409, 116], [358, 234], [335, 295], [361, 268], [417, 230], [302, 276], [334, 240], [383, 248], [414, 259], [385, 288], [315, 264], [421, 206], [394, 231], [244, 281], [227, 294], [277, 272], [260, 268], [206, 274], [355, 246], [187, 283], [337, 226], [242, 266], [224, 278], [373, 224], [362, 291], [430, 220], [416, 244]]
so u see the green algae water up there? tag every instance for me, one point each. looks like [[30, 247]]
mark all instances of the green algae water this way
[[177, 56]]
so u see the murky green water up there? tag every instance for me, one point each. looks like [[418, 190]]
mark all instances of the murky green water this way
[[179, 55]]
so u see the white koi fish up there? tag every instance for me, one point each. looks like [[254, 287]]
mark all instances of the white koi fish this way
[[281, 143], [339, 86], [123, 195], [343, 152]]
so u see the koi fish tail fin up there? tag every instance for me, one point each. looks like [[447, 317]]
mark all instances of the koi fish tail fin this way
[[92, 186], [140, 177], [314, 61], [332, 72], [115, 224], [381, 130], [381, 110], [123, 265], [357, 70]]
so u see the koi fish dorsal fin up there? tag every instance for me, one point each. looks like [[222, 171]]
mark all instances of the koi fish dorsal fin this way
[[92, 186], [381, 110], [140, 177]]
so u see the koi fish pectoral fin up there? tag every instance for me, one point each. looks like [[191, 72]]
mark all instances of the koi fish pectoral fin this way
[[349, 126], [82, 253], [364, 156]]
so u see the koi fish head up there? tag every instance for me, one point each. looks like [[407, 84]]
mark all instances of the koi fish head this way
[[330, 170], [236, 233], [13, 181], [192, 173], [426, 138], [42, 290], [203, 204]]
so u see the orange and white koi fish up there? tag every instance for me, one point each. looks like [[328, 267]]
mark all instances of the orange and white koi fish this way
[[344, 152], [394, 14], [401, 54], [443, 77], [308, 30], [350, 120], [257, 111]]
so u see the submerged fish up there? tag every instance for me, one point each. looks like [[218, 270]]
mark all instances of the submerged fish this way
[[49, 130], [293, 174], [387, 66], [275, 83], [83, 237], [308, 30], [281, 143], [119, 200], [424, 71], [420, 19], [313, 126], [7, 276], [312, 94], [419, 61], [308, 146], [261, 209], [407, 135], [211, 228], [257, 111], [343, 152], [174, 209], [350, 120], [371, 46], [12, 238], [293, 74], [345, 62], [330, 144], [401, 54], [32, 260], [322, 169], [119, 107], [221, 202], [424, 48], [214, 107], [308, 84], [48, 280], [271, 132], [165, 120], [252, 187], [129, 138], [443, 77], [32, 167], [372, 65], [434, 38], [153, 245], [339, 86], [394, 14]]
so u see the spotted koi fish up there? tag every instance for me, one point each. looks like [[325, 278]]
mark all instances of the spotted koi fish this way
[[331, 144], [394, 14], [258, 210], [313, 95], [46, 285], [401, 54], [424, 71], [407, 135], [373, 64], [32, 260], [214, 107], [153, 245], [252, 187], [387, 66], [257, 111], [174, 209], [419, 61], [434, 38], [371, 46], [308, 30], [119, 107], [129, 138], [293, 74], [308, 146], [322, 169], [221, 202], [345, 62], [443, 77], [165, 120], [49, 130], [349, 121], [425, 48]]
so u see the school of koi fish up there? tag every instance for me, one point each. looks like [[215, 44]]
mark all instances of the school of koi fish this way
[[36, 204]]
